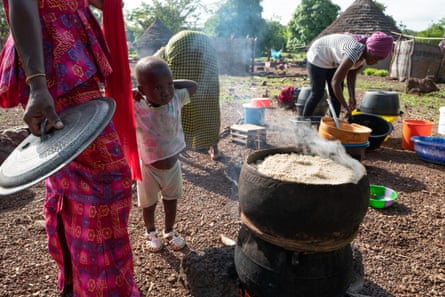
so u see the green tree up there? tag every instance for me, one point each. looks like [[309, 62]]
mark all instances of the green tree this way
[[176, 15], [236, 18], [4, 28], [274, 36], [436, 30], [309, 19]]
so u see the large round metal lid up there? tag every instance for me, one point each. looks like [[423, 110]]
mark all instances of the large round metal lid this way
[[36, 158]]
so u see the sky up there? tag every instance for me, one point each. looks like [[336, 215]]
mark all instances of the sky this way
[[413, 14]]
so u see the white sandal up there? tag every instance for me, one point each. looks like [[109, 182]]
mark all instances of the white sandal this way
[[174, 241], [153, 243]]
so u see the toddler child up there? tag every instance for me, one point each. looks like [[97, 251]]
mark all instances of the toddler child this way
[[158, 103]]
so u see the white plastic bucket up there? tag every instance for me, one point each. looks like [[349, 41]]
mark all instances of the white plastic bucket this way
[[441, 126]]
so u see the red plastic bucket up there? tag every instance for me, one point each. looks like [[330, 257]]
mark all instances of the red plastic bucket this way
[[415, 128], [260, 102]]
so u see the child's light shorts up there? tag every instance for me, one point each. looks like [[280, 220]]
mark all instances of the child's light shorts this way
[[156, 182]]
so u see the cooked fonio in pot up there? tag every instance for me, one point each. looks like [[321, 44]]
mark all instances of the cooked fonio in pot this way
[[305, 169]]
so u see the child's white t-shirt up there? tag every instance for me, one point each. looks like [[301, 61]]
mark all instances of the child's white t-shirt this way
[[159, 129]]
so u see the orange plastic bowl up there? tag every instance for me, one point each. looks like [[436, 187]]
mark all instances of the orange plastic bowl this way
[[346, 133]]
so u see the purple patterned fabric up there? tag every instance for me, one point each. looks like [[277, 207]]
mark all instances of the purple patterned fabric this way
[[74, 50], [90, 197]]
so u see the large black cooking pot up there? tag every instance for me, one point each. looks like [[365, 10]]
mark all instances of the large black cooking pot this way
[[300, 216], [380, 102], [305, 93], [380, 127]]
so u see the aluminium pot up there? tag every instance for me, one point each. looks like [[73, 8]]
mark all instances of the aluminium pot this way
[[301, 216]]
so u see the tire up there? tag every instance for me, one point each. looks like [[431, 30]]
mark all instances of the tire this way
[[266, 270], [298, 216]]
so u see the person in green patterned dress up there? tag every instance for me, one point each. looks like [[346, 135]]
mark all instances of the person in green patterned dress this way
[[190, 55]]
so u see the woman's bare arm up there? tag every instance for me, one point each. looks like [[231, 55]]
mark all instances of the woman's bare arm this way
[[351, 80], [338, 79], [27, 33]]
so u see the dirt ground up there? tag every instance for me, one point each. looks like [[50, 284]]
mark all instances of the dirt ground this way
[[401, 248]]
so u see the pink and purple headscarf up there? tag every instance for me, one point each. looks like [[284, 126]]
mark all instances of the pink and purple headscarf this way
[[378, 44]]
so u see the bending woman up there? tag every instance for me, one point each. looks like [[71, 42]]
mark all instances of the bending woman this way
[[332, 58]]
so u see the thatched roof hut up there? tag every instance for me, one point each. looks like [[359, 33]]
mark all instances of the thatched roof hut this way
[[155, 37], [362, 17]]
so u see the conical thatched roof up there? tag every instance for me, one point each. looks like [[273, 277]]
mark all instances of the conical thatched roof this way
[[362, 17], [153, 38]]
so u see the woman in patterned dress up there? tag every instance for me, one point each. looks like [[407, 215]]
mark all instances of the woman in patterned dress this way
[[190, 55], [55, 59]]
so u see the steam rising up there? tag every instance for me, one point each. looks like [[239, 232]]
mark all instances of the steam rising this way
[[309, 142]]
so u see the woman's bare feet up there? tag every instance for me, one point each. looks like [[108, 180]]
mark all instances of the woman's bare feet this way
[[214, 152]]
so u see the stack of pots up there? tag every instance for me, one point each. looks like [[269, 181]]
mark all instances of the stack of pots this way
[[381, 103], [354, 137], [295, 239], [380, 127]]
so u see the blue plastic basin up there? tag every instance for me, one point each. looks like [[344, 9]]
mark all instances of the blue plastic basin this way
[[430, 148]]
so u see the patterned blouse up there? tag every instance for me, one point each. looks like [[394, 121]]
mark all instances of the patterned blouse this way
[[74, 51]]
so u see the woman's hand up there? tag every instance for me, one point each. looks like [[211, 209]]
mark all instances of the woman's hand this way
[[40, 107], [352, 103], [348, 114]]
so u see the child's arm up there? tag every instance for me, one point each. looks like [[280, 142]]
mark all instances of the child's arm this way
[[188, 84]]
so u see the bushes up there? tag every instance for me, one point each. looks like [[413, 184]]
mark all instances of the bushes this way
[[376, 72]]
